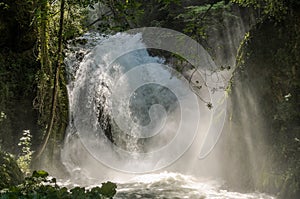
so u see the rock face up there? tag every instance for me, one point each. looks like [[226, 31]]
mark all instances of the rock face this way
[[264, 111]]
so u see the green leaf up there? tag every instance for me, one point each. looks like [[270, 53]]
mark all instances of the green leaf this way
[[40, 173], [78, 192], [108, 189]]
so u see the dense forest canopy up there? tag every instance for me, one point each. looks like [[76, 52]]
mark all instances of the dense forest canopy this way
[[34, 35]]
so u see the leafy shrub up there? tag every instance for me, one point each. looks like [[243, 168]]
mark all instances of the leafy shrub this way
[[40, 185], [10, 174], [25, 158]]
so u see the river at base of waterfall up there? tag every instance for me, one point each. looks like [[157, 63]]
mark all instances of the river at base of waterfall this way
[[170, 185]]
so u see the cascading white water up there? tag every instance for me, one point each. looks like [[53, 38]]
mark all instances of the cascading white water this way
[[131, 113], [110, 99]]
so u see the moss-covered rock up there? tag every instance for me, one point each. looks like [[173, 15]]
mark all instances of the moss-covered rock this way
[[265, 91]]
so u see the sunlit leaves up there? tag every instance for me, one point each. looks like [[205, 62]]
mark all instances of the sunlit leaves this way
[[198, 18], [270, 8], [24, 158], [40, 174]]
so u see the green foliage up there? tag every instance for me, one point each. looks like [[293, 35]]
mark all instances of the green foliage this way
[[75, 13], [40, 185], [82, 3], [10, 174], [166, 4], [277, 9], [49, 18], [4, 6], [124, 14], [40, 174], [15, 17], [24, 159], [107, 189], [17, 91], [198, 19]]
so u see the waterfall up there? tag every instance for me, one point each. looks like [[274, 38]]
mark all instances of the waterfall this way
[[130, 111], [131, 114]]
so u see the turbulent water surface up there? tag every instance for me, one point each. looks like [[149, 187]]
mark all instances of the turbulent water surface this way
[[175, 185]]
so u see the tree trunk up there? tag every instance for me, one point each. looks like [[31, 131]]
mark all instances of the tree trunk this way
[[56, 85], [46, 67]]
